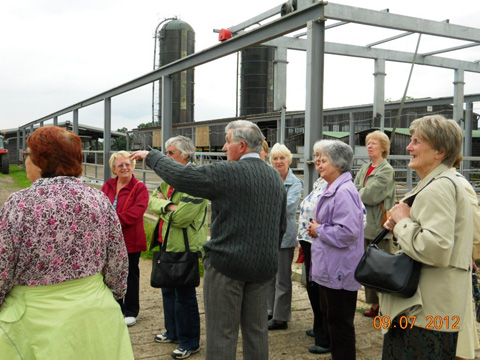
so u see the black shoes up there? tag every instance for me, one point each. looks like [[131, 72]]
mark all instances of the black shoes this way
[[310, 332], [315, 349], [274, 325]]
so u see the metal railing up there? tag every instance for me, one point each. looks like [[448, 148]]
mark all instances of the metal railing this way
[[405, 178]]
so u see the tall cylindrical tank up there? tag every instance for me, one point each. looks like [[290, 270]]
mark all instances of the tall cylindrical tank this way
[[256, 80], [177, 40]]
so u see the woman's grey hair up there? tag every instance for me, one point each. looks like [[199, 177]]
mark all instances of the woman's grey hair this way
[[184, 145], [321, 144], [244, 130], [340, 154], [442, 134]]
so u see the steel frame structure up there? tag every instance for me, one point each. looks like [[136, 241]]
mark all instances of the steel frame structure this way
[[312, 15]]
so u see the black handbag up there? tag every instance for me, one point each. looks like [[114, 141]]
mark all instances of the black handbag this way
[[396, 274], [175, 269]]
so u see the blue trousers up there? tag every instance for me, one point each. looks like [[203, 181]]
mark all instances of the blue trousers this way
[[182, 319]]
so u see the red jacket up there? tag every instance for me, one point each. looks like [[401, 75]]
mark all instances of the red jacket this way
[[132, 218]]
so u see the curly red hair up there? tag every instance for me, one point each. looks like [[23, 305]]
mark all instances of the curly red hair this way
[[56, 151]]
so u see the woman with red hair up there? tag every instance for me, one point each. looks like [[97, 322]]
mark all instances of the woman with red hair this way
[[63, 260]]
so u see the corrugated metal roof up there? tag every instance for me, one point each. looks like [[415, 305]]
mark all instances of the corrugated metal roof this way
[[336, 134]]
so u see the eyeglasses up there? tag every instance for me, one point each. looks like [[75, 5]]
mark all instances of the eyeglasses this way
[[27, 154], [170, 152], [121, 166]]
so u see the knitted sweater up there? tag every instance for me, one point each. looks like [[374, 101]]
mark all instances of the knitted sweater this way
[[248, 202]]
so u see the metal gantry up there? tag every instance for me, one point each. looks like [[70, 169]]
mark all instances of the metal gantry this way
[[312, 16]]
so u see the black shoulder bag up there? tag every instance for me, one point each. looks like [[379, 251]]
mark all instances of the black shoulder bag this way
[[175, 269], [396, 274]]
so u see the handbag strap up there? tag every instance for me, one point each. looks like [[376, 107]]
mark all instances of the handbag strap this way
[[380, 237], [128, 198], [409, 201], [165, 239]]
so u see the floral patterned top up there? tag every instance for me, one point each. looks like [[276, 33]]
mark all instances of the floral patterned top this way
[[307, 209], [60, 229]]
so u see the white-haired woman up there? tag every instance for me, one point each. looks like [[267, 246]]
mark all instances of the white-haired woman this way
[[280, 292], [307, 212], [337, 233], [186, 216]]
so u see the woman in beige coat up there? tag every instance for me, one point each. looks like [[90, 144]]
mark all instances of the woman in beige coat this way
[[437, 231]]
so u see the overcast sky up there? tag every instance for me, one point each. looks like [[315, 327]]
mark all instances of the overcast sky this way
[[56, 53]]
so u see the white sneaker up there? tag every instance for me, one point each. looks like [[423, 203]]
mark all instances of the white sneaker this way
[[130, 320]]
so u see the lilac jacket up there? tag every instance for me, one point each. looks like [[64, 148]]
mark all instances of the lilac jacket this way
[[339, 244]]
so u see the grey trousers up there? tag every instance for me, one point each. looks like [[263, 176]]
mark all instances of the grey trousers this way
[[280, 288], [229, 304]]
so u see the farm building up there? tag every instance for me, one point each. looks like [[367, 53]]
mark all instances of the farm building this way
[[209, 135]]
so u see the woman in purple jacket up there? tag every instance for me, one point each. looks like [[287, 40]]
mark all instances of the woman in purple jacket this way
[[337, 233]]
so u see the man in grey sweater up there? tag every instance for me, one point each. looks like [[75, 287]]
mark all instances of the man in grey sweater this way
[[248, 202]]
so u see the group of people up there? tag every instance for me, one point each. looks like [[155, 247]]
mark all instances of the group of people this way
[[69, 255], [437, 230]]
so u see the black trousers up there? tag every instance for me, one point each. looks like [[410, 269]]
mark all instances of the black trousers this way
[[338, 310], [130, 304], [313, 291]]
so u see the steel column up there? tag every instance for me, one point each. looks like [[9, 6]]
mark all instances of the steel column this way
[[314, 97], [467, 149], [17, 160], [280, 88], [167, 89], [24, 142], [75, 121], [351, 135], [379, 91], [458, 95], [107, 133]]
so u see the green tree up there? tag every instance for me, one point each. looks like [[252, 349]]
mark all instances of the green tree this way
[[146, 125], [120, 143]]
